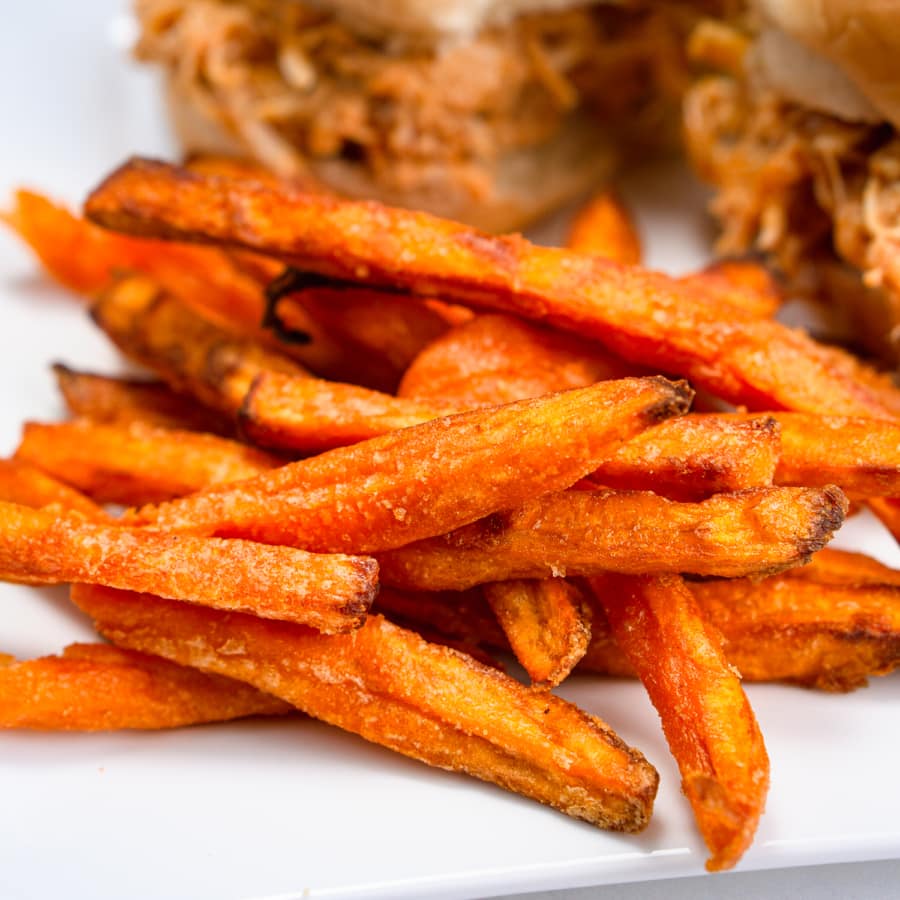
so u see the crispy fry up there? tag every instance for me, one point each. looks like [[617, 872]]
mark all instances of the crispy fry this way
[[498, 359], [191, 353], [95, 687], [862, 456], [426, 480], [740, 285], [706, 717], [331, 593], [547, 624], [29, 486], [588, 532], [121, 401], [643, 316], [391, 687], [605, 227], [311, 415], [830, 625], [135, 464], [696, 456]]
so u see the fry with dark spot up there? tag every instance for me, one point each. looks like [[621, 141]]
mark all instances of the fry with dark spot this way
[[95, 687], [389, 686], [329, 592], [580, 533]]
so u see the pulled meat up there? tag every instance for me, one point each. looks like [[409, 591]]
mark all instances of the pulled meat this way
[[804, 187], [296, 84]]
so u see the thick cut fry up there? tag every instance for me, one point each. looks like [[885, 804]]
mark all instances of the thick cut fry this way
[[696, 456], [427, 480], [547, 624], [643, 316], [95, 687], [862, 456], [706, 717], [122, 401], [311, 415], [830, 628], [30, 486], [135, 464], [391, 687], [588, 532], [740, 285], [604, 227], [498, 359], [191, 353], [331, 593]]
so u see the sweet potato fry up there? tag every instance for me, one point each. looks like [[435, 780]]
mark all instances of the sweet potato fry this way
[[696, 456], [581, 533], [605, 227], [331, 593], [843, 567], [135, 464], [822, 626], [122, 401], [191, 353], [95, 687], [741, 285], [706, 717], [311, 415], [862, 456], [30, 486], [547, 624], [643, 316], [426, 480], [391, 687], [888, 511], [498, 359]]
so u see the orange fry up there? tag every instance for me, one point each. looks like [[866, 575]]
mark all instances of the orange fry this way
[[741, 285], [95, 687], [580, 533], [391, 687], [135, 464], [191, 353], [547, 624], [30, 486], [643, 316], [311, 415], [605, 227], [843, 567], [888, 511], [331, 593], [498, 359], [427, 480], [122, 401], [706, 717]]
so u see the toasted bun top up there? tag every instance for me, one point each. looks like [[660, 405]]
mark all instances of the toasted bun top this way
[[860, 37], [434, 19]]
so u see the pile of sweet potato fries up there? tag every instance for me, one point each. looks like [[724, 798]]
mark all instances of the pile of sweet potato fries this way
[[381, 449]]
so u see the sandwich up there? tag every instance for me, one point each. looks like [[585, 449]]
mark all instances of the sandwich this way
[[492, 112], [798, 132]]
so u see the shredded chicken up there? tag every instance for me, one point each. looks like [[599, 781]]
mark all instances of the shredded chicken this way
[[296, 84], [802, 186]]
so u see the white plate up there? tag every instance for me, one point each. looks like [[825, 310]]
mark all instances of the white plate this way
[[291, 809]]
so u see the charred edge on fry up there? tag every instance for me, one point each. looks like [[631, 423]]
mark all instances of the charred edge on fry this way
[[831, 509], [681, 395]]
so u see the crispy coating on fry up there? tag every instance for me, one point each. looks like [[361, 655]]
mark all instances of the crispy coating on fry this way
[[311, 415], [329, 592], [391, 687], [860, 455], [498, 359], [28, 485], [605, 227], [737, 285], [135, 464], [844, 567], [547, 624], [580, 533], [407, 485], [643, 316], [706, 717], [121, 401], [95, 687]]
